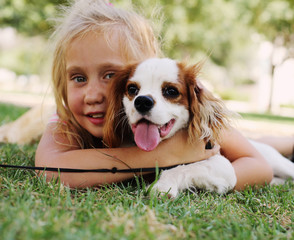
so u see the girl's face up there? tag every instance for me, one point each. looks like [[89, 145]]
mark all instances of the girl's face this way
[[90, 65]]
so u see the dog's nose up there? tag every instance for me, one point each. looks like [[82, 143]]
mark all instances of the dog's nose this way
[[144, 104]]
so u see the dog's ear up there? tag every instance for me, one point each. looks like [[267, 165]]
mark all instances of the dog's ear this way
[[115, 127], [188, 75], [208, 115]]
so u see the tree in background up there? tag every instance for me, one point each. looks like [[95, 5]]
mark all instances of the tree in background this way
[[29, 17], [274, 20], [26, 50]]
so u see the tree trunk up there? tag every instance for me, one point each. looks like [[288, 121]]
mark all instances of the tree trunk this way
[[270, 101]]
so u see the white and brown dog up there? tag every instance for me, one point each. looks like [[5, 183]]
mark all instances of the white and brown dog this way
[[156, 98]]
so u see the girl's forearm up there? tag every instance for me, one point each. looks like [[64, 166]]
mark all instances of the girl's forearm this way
[[100, 159], [170, 152], [120, 158]]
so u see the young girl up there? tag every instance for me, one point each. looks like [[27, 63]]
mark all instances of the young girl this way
[[94, 40]]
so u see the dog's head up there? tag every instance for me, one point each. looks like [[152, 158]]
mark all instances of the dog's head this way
[[158, 97]]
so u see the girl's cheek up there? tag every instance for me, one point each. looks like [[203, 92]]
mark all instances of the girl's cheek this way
[[74, 99]]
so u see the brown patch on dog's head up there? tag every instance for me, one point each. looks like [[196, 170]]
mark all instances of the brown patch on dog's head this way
[[115, 127]]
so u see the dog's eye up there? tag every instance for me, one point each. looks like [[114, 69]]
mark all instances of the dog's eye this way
[[133, 90], [170, 92]]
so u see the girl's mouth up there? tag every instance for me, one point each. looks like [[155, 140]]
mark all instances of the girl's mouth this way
[[96, 115], [96, 118]]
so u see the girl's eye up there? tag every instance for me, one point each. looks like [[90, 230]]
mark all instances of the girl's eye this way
[[108, 75], [79, 79], [132, 90], [170, 92]]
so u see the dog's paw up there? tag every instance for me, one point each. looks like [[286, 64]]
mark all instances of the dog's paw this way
[[163, 189], [213, 185], [215, 175], [169, 182]]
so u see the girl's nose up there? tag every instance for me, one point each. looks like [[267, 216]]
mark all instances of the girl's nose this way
[[95, 94]]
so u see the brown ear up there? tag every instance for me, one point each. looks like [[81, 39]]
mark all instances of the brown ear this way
[[115, 127], [208, 115], [190, 74]]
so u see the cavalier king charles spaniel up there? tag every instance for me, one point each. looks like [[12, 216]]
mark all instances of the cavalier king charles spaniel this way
[[150, 101]]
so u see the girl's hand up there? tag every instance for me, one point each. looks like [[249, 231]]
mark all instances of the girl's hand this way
[[184, 152]]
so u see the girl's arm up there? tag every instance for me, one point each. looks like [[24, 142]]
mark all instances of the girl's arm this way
[[50, 153], [249, 165]]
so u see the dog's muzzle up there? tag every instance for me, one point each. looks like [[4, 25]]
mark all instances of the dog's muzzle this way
[[144, 104]]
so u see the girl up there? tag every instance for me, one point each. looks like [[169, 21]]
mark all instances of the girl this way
[[94, 40]]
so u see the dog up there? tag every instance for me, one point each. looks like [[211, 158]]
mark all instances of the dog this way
[[29, 127], [152, 100]]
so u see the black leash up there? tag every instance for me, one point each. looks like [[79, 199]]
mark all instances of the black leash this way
[[75, 170]]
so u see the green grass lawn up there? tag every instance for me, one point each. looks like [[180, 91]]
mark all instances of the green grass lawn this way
[[31, 208], [10, 112], [267, 117]]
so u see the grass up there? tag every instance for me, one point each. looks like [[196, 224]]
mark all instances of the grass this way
[[10, 112], [267, 117], [31, 208]]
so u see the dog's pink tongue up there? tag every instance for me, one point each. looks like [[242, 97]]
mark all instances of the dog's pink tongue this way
[[147, 136]]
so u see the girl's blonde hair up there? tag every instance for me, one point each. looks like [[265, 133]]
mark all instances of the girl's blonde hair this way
[[137, 41]]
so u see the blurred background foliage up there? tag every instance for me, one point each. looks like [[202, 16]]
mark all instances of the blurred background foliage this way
[[29, 17], [225, 32]]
